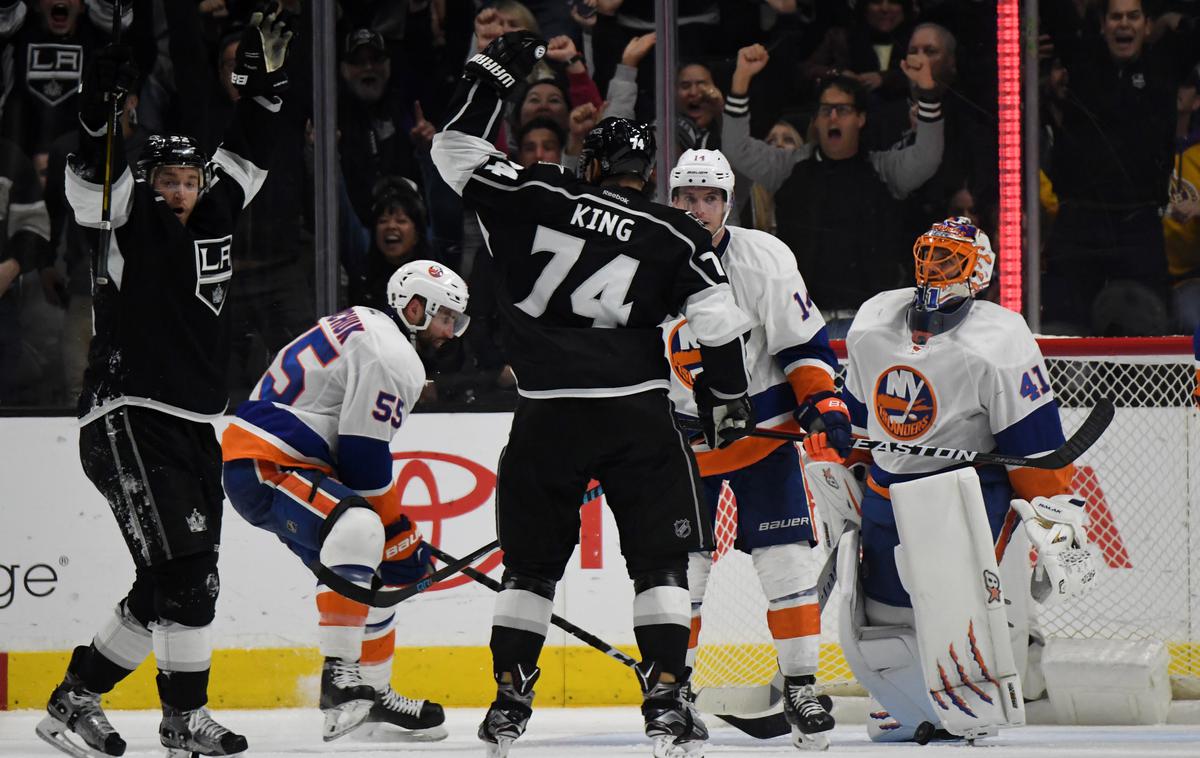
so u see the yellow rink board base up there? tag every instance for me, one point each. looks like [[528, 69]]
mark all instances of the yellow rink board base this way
[[454, 676]]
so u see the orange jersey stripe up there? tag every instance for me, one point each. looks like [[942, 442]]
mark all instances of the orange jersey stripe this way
[[877, 487], [1029, 483], [238, 443], [336, 610], [798, 621], [378, 650], [742, 453], [807, 380]]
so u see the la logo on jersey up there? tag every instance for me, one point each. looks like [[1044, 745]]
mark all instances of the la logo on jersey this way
[[214, 268], [904, 403], [52, 71], [684, 351]]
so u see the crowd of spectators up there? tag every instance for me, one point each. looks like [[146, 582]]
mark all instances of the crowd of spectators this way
[[850, 124]]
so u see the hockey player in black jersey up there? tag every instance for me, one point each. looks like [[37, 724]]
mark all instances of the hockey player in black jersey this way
[[586, 269], [155, 379]]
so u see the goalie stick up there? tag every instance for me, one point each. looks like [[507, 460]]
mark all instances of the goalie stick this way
[[1088, 432], [381, 598]]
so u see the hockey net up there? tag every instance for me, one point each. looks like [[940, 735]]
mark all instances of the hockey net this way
[[1144, 513]]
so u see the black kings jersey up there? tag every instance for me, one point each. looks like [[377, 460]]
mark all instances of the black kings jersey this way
[[585, 275], [162, 329]]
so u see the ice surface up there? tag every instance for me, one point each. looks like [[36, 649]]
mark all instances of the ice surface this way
[[586, 732]]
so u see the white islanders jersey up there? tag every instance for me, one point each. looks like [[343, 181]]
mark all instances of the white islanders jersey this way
[[982, 385]]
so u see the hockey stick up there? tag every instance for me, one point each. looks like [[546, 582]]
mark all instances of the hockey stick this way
[[381, 598], [580, 634], [1088, 432], [105, 239]]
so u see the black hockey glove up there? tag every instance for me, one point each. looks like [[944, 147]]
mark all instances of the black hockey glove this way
[[261, 54], [506, 62], [723, 421], [110, 76], [826, 412]]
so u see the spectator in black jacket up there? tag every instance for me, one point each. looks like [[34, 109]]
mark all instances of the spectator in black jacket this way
[[1110, 167]]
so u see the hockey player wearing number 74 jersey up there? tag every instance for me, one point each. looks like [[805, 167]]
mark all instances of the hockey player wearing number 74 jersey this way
[[936, 366], [587, 269]]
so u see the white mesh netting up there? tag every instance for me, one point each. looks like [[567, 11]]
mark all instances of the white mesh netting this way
[[1144, 517]]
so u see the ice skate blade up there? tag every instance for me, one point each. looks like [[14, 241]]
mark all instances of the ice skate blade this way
[[55, 732], [499, 748], [814, 741], [390, 733], [665, 746], [180, 752], [345, 717]]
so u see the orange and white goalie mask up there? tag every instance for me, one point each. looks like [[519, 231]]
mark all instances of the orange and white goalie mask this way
[[954, 262]]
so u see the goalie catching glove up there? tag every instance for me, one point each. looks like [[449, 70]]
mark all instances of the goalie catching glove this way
[[506, 62], [261, 54], [1055, 527], [724, 421]]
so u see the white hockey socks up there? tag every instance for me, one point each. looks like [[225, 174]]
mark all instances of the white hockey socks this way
[[787, 574], [352, 550]]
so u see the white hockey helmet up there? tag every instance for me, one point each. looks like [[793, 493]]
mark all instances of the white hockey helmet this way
[[704, 168], [440, 287]]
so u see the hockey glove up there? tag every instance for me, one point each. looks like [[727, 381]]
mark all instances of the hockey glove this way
[[1055, 527], [406, 557], [108, 78], [506, 62], [826, 412], [261, 53], [723, 421]]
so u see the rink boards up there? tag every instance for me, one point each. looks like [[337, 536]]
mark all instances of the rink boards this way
[[63, 565]]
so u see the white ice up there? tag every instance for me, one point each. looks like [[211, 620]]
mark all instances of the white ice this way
[[585, 732]]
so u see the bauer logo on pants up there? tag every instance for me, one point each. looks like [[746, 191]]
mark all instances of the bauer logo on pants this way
[[905, 405]]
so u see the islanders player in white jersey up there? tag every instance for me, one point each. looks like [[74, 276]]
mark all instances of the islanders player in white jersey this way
[[308, 458], [791, 368], [935, 366]]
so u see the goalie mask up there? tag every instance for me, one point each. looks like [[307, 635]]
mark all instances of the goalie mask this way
[[704, 168], [442, 290], [954, 262], [172, 150]]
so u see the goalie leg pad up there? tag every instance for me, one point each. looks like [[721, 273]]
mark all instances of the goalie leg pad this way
[[883, 658], [947, 562], [787, 574]]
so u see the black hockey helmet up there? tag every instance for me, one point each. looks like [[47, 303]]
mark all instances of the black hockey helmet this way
[[172, 150], [621, 146]]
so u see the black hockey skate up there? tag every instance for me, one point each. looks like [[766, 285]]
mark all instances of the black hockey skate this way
[[74, 708], [345, 698], [417, 720], [509, 713], [188, 734], [806, 714], [671, 720]]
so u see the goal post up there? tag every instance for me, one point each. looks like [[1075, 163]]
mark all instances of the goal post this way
[[1144, 523]]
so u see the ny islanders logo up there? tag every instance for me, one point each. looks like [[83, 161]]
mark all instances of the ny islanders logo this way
[[905, 405], [684, 352]]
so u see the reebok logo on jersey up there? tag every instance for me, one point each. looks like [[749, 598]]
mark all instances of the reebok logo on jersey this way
[[905, 405], [600, 220]]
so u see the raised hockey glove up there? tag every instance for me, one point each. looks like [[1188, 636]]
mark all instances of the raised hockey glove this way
[[107, 79], [826, 412], [406, 557], [506, 62], [261, 53], [1065, 567], [724, 421]]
